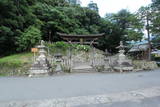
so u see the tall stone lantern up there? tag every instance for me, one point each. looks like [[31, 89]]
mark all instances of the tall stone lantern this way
[[122, 56], [41, 66], [124, 64]]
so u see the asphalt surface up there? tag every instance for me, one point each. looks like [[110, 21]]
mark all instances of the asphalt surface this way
[[148, 102], [82, 84]]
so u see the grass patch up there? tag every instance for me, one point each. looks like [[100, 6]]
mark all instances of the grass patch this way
[[15, 64]]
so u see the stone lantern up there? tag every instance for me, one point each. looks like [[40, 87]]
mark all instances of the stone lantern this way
[[124, 64], [122, 56], [41, 66]]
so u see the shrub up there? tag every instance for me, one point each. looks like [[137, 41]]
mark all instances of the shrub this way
[[58, 47], [82, 48], [64, 48], [99, 68]]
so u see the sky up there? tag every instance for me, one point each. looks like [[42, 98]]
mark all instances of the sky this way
[[113, 6]]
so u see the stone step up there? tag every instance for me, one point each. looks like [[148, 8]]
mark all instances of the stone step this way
[[83, 70]]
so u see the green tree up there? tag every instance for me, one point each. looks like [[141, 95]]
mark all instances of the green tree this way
[[25, 22], [15, 15], [29, 38], [6, 40], [145, 14], [111, 38], [155, 18], [72, 19], [121, 26], [55, 3], [129, 24]]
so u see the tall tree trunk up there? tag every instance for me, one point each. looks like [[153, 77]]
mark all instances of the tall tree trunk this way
[[49, 36], [149, 41]]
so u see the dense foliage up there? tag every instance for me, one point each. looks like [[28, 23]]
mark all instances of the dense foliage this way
[[64, 47], [155, 6], [24, 22]]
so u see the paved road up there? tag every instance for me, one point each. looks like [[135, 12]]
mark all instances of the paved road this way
[[148, 102], [73, 85]]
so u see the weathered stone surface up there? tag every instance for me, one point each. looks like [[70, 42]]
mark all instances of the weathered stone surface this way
[[83, 69], [144, 65]]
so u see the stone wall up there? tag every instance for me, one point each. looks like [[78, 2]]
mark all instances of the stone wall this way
[[144, 65]]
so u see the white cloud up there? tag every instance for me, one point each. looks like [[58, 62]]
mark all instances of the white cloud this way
[[113, 6]]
